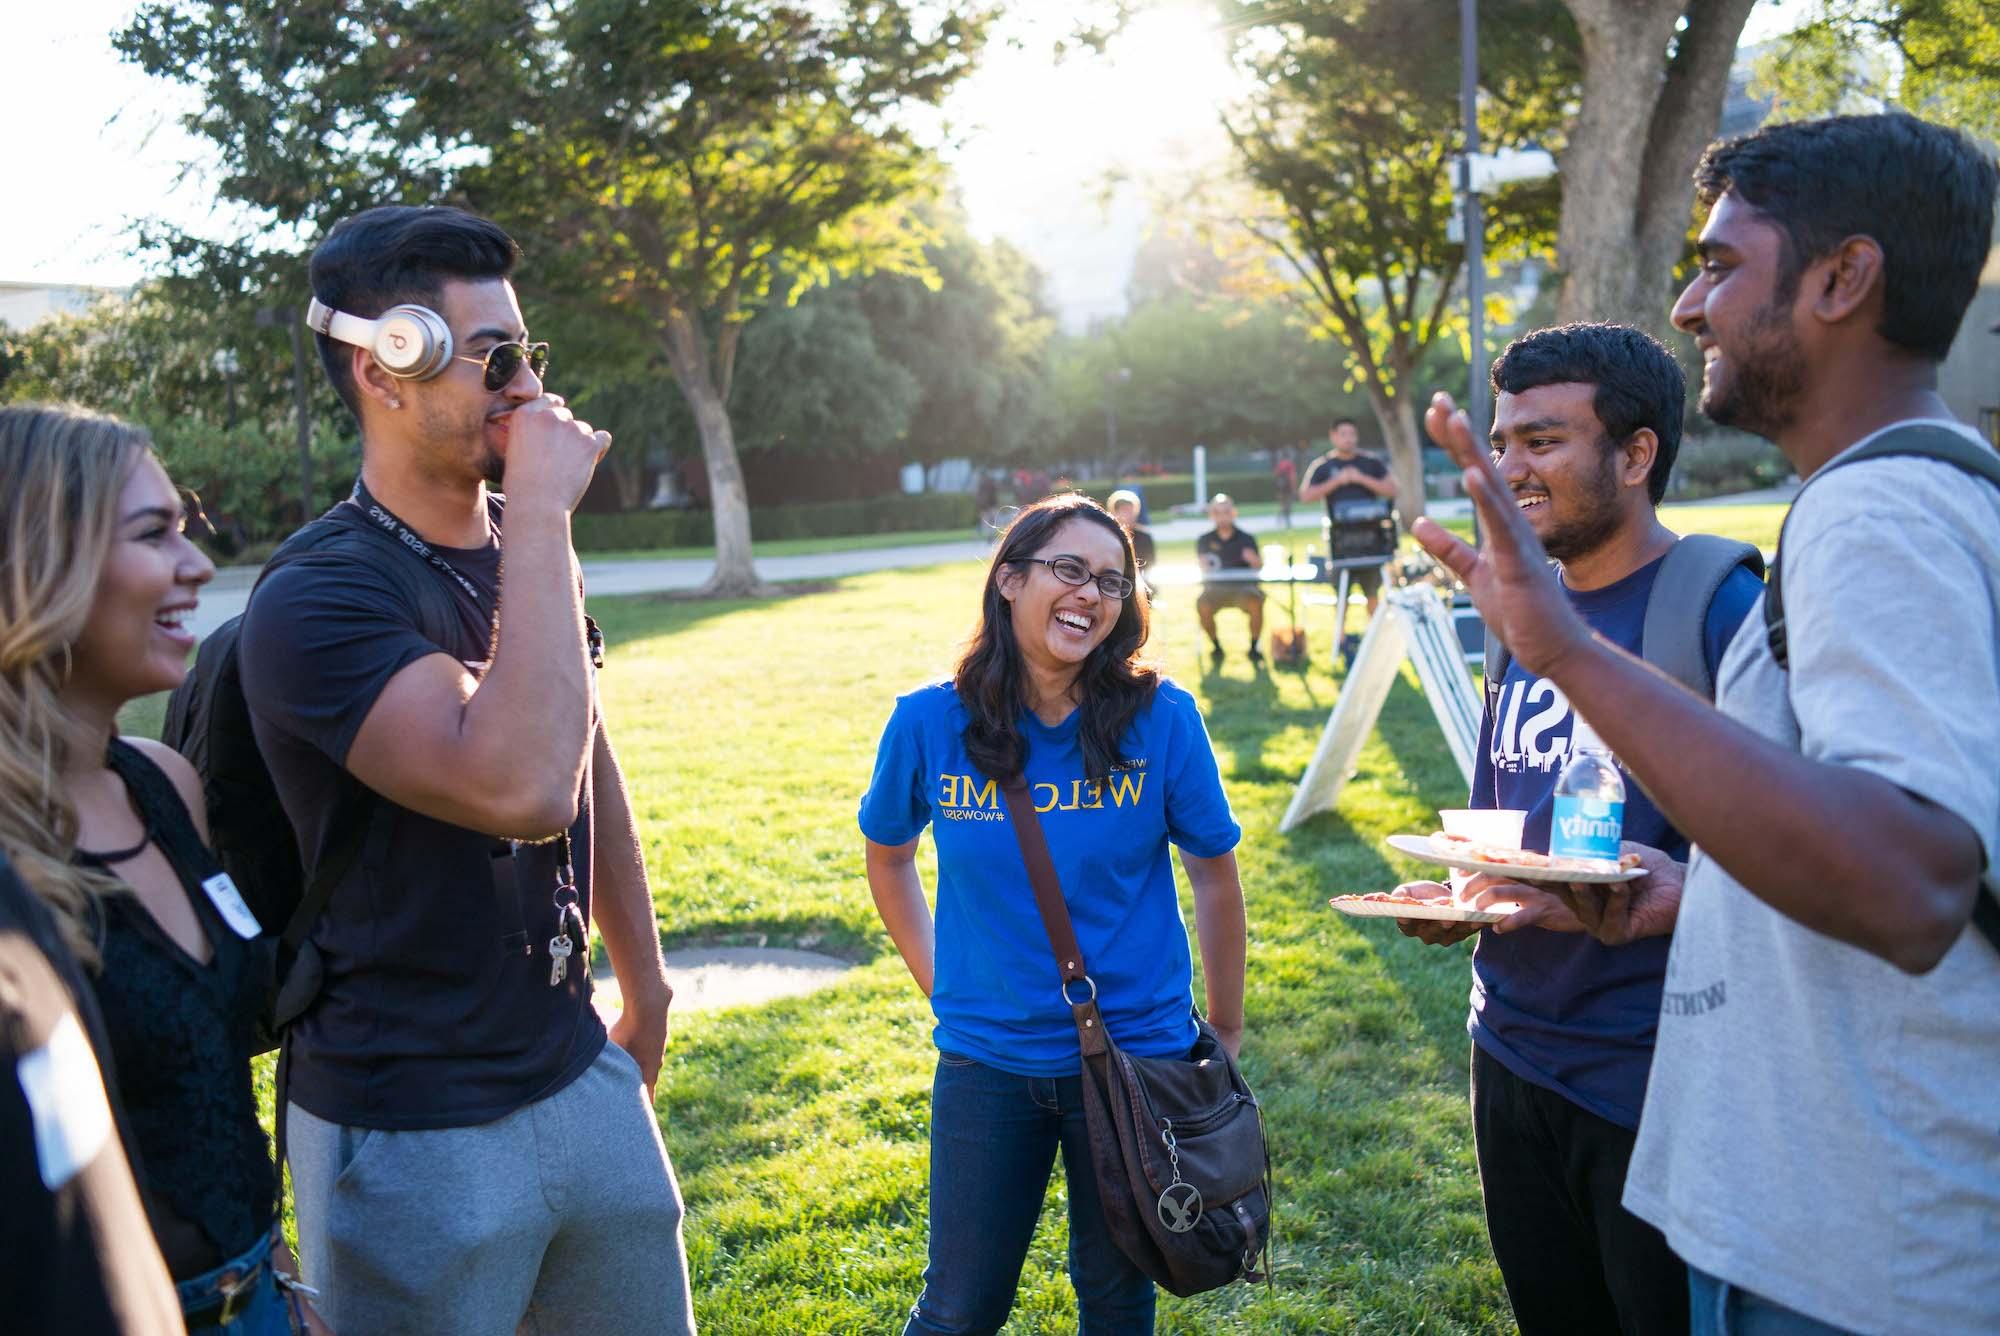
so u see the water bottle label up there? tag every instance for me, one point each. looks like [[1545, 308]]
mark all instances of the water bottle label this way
[[1586, 826]]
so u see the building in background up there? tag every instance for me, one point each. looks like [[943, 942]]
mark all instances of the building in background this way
[[25, 305]]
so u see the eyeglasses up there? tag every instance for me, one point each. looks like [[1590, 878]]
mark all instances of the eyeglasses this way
[[1072, 571], [503, 362]]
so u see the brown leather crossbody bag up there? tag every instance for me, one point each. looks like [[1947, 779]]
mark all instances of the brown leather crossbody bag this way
[[1177, 1143]]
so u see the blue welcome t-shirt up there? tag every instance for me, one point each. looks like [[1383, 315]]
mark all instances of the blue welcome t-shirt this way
[[1561, 1009], [997, 994]]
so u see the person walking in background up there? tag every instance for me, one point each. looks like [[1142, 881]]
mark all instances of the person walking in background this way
[[1050, 691], [1586, 428], [1226, 548], [452, 1061], [1285, 475], [111, 834], [1820, 1140]]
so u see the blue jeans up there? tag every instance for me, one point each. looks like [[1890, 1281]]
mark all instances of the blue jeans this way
[[993, 1141], [1722, 1309], [266, 1310]]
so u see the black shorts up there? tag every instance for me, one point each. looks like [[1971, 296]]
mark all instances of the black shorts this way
[[1368, 579]]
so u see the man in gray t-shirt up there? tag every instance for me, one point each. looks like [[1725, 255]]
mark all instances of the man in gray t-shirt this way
[[1820, 1139]]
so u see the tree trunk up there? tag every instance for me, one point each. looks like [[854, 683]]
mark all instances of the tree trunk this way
[[729, 500], [1644, 119], [627, 470], [1398, 419]]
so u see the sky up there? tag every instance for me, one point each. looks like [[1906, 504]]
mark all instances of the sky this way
[[1057, 156]]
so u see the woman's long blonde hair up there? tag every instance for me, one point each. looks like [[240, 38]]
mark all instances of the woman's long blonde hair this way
[[62, 469]]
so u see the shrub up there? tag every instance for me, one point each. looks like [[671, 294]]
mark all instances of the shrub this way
[[1163, 494], [644, 530], [1720, 463], [248, 476]]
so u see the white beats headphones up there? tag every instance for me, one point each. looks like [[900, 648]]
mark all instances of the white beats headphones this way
[[410, 342]]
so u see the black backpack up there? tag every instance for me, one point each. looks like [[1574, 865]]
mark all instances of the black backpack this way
[[1950, 447], [1673, 639], [208, 722]]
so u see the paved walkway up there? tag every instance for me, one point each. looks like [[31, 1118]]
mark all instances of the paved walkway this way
[[230, 590]]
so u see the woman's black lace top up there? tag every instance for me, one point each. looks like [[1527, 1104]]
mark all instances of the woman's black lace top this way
[[181, 1037]]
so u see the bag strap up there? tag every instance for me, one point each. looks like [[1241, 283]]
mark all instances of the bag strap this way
[[1674, 636], [1928, 442], [1925, 442], [1042, 877]]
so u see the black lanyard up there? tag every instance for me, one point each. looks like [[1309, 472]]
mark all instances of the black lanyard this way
[[410, 539]]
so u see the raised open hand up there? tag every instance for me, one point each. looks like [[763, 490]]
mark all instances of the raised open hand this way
[[1508, 574]]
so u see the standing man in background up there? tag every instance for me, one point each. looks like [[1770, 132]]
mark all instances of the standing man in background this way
[[1360, 495]]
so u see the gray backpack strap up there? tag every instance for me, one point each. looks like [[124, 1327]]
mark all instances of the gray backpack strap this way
[[1677, 610], [1925, 440], [1493, 666]]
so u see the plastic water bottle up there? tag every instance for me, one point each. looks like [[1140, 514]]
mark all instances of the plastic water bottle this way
[[1589, 818]]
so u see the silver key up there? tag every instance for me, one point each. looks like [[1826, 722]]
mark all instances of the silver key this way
[[559, 953]]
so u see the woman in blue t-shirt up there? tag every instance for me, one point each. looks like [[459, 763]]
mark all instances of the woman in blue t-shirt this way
[[1049, 688]]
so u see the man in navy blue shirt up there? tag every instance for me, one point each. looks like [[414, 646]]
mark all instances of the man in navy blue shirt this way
[[1587, 422]]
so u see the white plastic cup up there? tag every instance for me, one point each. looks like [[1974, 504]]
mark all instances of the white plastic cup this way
[[1499, 827]]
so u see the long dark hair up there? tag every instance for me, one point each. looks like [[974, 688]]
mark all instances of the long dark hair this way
[[1111, 686]]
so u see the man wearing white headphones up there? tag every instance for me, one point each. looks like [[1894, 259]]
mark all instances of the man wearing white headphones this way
[[468, 1152]]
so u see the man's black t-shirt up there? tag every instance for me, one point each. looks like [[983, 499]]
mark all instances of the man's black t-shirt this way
[[1362, 462], [76, 1253], [1236, 552], [437, 1009]]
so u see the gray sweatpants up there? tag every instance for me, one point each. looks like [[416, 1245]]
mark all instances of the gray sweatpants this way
[[564, 1216]]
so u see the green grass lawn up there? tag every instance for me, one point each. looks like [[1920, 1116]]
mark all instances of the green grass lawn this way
[[747, 732]]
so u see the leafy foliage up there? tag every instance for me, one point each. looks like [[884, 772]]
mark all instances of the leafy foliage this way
[[1347, 142], [1937, 58], [663, 162]]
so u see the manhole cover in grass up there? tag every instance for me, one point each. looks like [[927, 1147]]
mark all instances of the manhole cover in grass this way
[[709, 977]]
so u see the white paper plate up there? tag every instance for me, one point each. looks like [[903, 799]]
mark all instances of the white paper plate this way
[[1420, 846], [1442, 910]]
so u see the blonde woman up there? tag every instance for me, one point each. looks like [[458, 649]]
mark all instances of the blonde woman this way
[[110, 832]]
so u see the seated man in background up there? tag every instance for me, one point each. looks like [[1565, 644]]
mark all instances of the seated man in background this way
[[1228, 548]]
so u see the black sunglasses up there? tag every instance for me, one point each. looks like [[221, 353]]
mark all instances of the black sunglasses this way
[[1073, 571], [503, 362]]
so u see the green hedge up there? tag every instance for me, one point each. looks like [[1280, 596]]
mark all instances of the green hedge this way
[[644, 530], [1163, 494]]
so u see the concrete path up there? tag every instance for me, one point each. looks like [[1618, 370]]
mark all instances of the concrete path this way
[[227, 593], [712, 977]]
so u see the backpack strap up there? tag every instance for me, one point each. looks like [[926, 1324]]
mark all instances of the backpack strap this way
[[1924, 442], [344, 528], [1928, 442], [1675, 636]]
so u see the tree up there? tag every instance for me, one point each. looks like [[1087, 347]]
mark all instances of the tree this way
[[664, 161], [1937, 58], [1654, 77], [1349, 138], [976, 343]]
